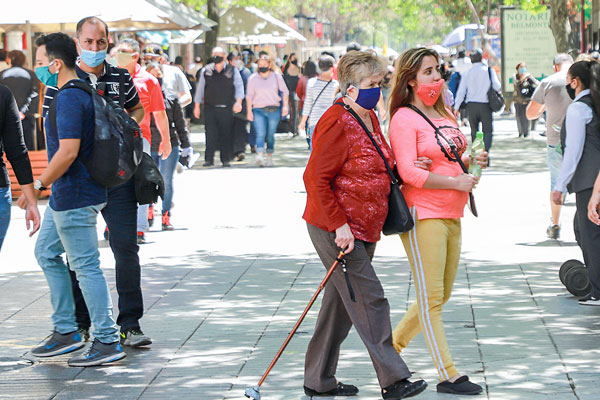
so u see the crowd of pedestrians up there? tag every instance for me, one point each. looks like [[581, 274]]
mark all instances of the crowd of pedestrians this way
[[339, 106]]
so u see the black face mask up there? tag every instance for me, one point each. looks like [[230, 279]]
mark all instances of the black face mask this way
[[218, 59], [570, 91], [263, 69], [295, 62]]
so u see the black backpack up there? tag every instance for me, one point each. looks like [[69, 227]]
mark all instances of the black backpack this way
[[118, 146]]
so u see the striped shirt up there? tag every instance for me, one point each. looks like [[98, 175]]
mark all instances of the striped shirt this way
[[314, 86], [110, 76]]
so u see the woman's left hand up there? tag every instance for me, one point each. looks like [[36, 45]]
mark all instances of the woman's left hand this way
[[423, 163], [482, 160], [285, 111]]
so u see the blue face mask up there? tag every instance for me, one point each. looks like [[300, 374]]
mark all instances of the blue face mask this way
[[93, 58], [522, 70], [368, 98], [47, 77]]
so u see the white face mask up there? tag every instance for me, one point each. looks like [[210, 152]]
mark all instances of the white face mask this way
[[239, 64]]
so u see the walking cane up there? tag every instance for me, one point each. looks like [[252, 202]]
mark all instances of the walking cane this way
[[254, 392]]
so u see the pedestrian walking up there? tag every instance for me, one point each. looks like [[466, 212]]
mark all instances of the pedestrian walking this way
[[69, 224], [179, 137], [151, 97], [291, 77], [221, 90], [524, 85], [309, 70], [12, 143], [267, 102], [240, 121], [473, 90], [344, 167], [551, 96], [436, 199], [24, 85], [320, 92], [174, 82], [580, 143]]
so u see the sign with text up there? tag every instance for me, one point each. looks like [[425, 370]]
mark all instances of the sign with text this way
[[526, 38]]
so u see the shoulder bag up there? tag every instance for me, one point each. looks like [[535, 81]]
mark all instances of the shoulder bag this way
[[495, 98], [398, 219], [457, 157]]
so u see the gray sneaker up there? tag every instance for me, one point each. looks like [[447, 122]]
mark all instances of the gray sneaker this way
[[553, 231], [98, 354], [135, 338], [59, 344]]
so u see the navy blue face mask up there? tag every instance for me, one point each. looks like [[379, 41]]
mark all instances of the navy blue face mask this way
[[368, 98]]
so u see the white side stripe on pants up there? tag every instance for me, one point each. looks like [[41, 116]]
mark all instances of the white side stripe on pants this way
[[420, 278]]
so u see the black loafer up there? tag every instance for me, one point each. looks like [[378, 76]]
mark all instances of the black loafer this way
[[403, 389], [460, 386], [340, 390]]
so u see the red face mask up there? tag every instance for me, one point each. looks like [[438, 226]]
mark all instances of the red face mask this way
[[430, 93]]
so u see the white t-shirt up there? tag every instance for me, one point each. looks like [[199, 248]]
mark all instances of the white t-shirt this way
[[174, 81]]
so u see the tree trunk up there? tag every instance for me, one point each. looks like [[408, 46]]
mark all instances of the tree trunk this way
[[211, 36], [559, 21]]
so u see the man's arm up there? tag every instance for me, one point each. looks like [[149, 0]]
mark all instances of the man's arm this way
[[534, 110], [162, 123], [238, 84], [137, 112], [183, 88], [199, 97], [62, 160]]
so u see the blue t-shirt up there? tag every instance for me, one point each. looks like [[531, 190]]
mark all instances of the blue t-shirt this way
[[74, 120]]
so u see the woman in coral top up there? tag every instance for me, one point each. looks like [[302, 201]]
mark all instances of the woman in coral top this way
[[347, 190], [436, 197]]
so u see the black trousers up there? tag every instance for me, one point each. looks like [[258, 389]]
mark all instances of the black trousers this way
[[120, 215], [481, 113], [588, 237], [219, 133], [522, 121], [240, 135]]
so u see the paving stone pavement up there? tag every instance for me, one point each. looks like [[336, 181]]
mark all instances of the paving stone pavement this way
[[222, 292]]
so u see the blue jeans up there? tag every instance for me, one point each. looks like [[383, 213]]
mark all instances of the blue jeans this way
[[74, 232], [167, 169], [265, 125], [5, 204]]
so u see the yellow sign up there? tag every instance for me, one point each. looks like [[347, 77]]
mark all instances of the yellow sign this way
[[526, 38]]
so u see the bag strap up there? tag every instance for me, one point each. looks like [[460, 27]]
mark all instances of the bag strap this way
[[360, 121], [437, 131], [490, 75], [317, 98]]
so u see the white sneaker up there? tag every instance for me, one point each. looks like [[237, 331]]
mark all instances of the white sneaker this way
[[589, 301], [259, 161], [269, 161]]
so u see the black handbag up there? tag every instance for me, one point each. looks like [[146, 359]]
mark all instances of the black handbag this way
[[148, 182], [495, 98], [398, 220], [457, 157]]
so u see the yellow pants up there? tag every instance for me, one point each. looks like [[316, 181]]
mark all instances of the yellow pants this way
[[433, 249]]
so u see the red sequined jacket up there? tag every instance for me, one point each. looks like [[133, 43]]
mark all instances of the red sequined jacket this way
[[346, 179]]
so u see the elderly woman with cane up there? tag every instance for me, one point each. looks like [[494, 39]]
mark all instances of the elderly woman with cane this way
[[347, 187]]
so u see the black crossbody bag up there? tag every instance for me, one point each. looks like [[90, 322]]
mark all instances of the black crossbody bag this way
[[306, 125], [398, 219], [457, 159]]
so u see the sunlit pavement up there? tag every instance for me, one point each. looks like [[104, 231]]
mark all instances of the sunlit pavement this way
[[224, 289]]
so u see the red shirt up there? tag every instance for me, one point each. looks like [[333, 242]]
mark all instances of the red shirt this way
[[346, 179], [301, 90], [151, 97]]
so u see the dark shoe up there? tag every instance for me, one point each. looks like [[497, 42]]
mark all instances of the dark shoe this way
[[207, 164], [141, 238], [166, 221], [135, 338], [226, 165], [460, 386], [403, 389], [98, 354], [589, 300], [252, 149], [553, 231], [241, 157], [59, 344], [106, 233], [340, 390]]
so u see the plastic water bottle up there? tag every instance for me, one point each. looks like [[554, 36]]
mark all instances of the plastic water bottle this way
[[477, 147]]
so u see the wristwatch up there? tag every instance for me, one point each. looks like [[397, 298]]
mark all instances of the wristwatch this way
[[38, 185]]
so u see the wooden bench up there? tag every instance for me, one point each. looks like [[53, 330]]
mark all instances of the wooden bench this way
[[39, 162]]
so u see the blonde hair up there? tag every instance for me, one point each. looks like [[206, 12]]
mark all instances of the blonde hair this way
[[355, 66], [407, 66]]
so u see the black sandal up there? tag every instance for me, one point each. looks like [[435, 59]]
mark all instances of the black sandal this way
[[460, 386], [340, 390]]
